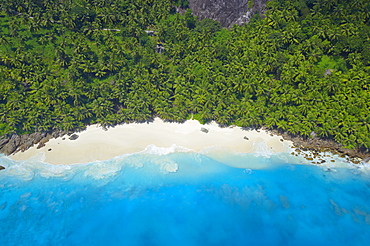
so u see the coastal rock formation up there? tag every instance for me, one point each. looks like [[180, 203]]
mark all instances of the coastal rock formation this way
[[73, 137], [319, 145], [366, 160], [12, 143], [205, 130], [44, 140], [227, 12], [2, 168]]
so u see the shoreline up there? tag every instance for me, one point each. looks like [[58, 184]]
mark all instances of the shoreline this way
[[98, 144]]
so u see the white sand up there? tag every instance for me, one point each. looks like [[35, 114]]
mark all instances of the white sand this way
[[96, 144]]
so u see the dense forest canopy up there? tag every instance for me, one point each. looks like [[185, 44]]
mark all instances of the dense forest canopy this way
[[303, 67]]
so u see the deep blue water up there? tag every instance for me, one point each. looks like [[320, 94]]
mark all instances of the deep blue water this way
[[133, 200]]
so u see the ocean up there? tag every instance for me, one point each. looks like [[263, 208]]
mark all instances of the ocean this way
[[164, 197]]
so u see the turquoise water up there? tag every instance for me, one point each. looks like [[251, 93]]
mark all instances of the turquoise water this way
[[135, 200]]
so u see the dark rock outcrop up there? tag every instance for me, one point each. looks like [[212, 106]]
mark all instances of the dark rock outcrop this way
[[227, 12], [44, 140], [58, 133], [318, 145], [205, 130], [73, 137], [3, 141], [2, 168], [29, 140], [366, 160], [12, 143]]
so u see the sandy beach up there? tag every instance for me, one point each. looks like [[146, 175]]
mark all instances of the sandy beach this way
[[98, 144]]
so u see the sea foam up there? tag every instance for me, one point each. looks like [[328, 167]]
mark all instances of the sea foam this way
[[261, 149], [155, 150]]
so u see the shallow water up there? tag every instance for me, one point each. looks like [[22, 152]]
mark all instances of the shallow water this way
[[184, 199]]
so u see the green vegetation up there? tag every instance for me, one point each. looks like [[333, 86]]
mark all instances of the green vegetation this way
[[69, 63]]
